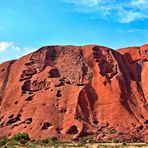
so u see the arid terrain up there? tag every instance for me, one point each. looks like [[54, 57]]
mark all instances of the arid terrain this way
[[69, 92]]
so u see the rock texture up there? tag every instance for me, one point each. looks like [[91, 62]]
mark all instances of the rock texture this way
[[75, 91]]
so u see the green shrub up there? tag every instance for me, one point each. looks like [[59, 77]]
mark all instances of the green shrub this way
[[33, 144], [90, 138], [23, 141], [116, 141], [3, 142], [45, 141], [54, 139], [124, 143], [82, 140], [21, 136], [50, 141]]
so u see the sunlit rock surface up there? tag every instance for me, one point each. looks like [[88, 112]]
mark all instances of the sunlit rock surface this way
[[75, 91]]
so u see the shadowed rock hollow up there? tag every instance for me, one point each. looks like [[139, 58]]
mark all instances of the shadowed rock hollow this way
[[74, 91]]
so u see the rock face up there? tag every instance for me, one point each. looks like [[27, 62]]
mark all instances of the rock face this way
[[75, 91]]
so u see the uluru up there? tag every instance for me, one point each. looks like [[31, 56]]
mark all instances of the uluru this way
[[69, 92]]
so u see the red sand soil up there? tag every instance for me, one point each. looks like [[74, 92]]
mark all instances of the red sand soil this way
[[74, 91]]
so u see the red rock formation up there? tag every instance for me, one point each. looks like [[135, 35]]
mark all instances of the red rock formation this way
[[72, 91]]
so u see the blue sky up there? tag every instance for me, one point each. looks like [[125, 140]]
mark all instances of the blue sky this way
[[26, 25]]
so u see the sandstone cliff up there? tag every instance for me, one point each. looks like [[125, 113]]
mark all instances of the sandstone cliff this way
[[74, 91]]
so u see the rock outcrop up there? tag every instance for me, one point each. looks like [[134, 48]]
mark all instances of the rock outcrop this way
[[74, 91]]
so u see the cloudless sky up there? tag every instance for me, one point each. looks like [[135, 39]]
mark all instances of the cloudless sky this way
[[26, 25]]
